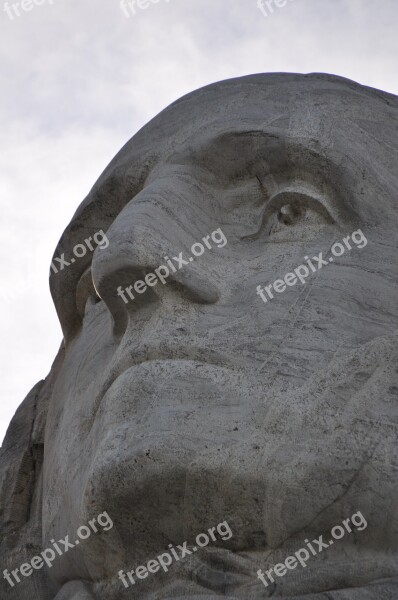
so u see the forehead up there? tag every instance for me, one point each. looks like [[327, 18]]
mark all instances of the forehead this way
[[307, 106]]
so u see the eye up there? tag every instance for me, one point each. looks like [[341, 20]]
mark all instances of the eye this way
[[296, 209], [289, 214], [292, 212], [86, 294], [293, 215]]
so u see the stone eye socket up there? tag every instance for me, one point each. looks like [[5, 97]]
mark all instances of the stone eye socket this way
[[288, 214], [292, 213], [291, 216], [298, 209]]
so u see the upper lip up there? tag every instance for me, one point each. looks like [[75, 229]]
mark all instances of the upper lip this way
[[189, 353]]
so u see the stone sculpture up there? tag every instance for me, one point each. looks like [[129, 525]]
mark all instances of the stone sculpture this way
[[199, 401]]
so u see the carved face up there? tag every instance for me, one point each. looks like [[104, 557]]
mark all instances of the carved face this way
[[197, 401]]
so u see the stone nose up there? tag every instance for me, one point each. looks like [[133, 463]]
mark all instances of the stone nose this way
[[152, 244]]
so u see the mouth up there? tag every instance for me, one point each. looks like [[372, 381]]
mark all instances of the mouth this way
[[200, 356]]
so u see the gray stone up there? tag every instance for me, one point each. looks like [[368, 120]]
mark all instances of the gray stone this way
[[197, 402]]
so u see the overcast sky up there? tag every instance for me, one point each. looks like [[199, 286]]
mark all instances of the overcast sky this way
[[80, 77]]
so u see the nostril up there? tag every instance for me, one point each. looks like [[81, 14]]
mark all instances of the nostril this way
[[118, 290]]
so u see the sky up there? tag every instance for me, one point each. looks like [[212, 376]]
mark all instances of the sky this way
[[80, 77]]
